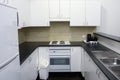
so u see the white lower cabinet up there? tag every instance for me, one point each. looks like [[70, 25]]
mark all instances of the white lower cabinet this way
[[29, 69], [91, 70], [75, 59]]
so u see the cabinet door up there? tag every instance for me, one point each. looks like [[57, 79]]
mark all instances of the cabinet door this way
[[92, 71], [64, 9], [39, 13], [29, 69], [77, 13], [54, 9], [76, 59], [93, 12], [34, 65], [25, 70]]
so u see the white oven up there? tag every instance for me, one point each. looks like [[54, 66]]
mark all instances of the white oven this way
[[60, 59]]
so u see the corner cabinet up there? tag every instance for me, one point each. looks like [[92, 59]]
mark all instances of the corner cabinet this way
[[59, 10], [39, 14], [29, 69], [85, 13], [76, 59]]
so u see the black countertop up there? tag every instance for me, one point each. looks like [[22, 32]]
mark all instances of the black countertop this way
[[89, 49], [27, 48]]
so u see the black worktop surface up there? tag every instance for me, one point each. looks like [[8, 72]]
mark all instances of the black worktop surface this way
[[27, 48]]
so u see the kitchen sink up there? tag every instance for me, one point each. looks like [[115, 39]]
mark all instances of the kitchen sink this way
[[116, 70], [111, 61]]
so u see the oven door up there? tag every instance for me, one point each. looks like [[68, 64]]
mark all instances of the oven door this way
[[59, 63]]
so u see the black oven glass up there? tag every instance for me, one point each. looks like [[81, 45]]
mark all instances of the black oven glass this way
[[59, 61]]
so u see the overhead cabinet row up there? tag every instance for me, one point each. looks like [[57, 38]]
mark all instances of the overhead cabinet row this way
[[41, 12], [78, 12]]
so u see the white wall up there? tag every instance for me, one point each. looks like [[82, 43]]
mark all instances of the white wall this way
[[110, 22]]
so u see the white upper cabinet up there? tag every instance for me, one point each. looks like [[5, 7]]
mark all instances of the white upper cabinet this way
[[39, 13], [59, 10], [77, 13], [85, 13], [65, 9], [93, 12], [54, 9]]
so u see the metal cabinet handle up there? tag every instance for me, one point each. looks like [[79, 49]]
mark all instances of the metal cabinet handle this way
[[30, 59], [17, 19], [98, 73]]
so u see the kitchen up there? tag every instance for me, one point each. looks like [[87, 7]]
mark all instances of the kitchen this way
[[50, 38]]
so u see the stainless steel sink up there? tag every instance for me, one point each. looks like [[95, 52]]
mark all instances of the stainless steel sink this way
[[111, 61], [116, 70]]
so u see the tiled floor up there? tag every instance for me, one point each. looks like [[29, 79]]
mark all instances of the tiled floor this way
[[65, 76]]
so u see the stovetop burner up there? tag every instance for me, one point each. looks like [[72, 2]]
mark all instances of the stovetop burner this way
[[62, 42], [54, 42], [59, 43]]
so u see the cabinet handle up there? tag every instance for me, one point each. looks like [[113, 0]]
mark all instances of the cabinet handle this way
[[30, 59], [17, 19], [97, 71]]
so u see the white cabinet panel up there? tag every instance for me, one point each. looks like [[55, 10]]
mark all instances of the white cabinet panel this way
[[85, 13], [29, 69], [34, 65], [76, 59], [64, 9], [39, 13], [77, 13], [59, 10], [92, 72], [54, 9], [93, 13]]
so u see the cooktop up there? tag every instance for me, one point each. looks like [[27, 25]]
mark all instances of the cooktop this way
[[59, 43]]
